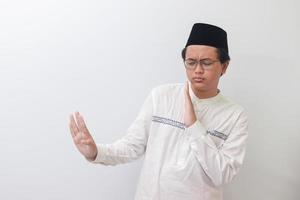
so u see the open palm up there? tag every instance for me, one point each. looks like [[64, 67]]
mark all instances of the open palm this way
[[82, 137]]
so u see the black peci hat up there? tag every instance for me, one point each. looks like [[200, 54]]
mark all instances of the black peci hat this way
[[207, 34]]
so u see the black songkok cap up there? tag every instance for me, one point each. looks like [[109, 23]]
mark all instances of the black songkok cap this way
[[207, 34]]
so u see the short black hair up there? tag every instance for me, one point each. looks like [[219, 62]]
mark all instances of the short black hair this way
[[222, 54]]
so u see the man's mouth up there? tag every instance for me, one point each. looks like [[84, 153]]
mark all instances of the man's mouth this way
[[197, 79]]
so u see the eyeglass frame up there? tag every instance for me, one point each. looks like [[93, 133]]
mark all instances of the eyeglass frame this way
[[200, 62]]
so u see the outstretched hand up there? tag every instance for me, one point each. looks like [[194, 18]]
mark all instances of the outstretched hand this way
[[189, 113], [82, 137]]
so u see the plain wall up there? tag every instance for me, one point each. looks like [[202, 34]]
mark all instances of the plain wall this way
[[103, 57]]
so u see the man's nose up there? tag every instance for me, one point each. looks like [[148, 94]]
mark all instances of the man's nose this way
[[199, 68]]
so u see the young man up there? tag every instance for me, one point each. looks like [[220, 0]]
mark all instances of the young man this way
[[193, 138]]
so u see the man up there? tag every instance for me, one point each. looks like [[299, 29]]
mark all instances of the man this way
[[193, 138]]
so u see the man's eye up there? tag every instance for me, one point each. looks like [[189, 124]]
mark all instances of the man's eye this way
[[190, 62], [206, 62]]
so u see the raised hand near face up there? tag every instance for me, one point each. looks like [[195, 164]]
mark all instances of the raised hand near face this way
[[189, 113]]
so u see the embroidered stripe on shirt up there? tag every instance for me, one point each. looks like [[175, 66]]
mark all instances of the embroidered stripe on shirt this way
[[168, 121], [217, 134]]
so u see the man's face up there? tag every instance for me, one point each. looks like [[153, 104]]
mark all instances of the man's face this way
[[209, 76]]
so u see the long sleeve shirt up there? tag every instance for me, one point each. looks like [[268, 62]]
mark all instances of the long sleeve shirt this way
[[182, 163]]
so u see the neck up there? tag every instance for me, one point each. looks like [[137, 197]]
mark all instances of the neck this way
[[205, 94]]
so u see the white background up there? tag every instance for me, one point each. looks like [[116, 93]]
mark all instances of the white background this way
[[103, 57]]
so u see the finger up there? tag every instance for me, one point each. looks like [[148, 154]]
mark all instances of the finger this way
[[81, 124], [186, 85], [73, 122], [78, 120], [77, 139], [187, 93], [188, 90], [73, 125], [71, 130]]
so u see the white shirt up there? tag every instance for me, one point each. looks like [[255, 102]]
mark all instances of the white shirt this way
[[182, 163]]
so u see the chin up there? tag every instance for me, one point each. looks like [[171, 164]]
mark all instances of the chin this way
[[198, 86]]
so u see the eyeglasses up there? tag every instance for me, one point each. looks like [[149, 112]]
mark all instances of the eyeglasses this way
[[204, 63]]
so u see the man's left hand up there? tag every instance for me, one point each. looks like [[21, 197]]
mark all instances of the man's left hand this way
[[189, 112]]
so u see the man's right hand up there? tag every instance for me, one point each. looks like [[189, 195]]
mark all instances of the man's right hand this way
[[82, 137]]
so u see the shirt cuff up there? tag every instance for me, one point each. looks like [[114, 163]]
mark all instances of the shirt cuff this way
[[100, 157]]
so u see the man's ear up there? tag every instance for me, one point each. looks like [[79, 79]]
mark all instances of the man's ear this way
[[224, 67]]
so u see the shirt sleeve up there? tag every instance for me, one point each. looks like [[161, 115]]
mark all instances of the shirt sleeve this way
[[133, 144], [220, 164]]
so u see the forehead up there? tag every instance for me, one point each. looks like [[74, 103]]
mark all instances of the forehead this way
[[201, 51]]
